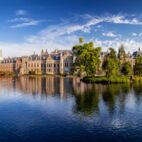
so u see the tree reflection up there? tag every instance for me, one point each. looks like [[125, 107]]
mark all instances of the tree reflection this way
[[88, 98], [113, 93], [138, 93], [87, 103]]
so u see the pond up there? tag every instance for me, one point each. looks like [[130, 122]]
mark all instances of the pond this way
[[62, 109]]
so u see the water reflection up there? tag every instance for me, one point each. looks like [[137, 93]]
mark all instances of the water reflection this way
[[53, 86], [88, 99]]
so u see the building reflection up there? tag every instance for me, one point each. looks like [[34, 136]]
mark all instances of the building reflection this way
[[49, 85], [88, 99]]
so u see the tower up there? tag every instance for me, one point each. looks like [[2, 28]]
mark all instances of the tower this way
[[42, 52], [61, 64]]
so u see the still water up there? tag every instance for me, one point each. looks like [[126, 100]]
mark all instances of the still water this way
[[61, 109]]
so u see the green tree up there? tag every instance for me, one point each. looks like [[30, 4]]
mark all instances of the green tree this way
[[138, 66], [81, 40], [112, 53], [138, 69], [126, 69], [139, 59], [87, 58], [111, 63], [121, 53]]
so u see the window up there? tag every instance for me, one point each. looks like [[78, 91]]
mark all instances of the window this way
[[66, 64]]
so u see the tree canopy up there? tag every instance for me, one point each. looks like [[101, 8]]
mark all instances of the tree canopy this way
[[121, 52], [87, 57], [111, 63], [89, 60]]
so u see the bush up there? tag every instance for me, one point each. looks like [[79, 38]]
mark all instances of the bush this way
[[137, 79], [105, 80]]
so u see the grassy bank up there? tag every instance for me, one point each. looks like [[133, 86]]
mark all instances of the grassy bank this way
[[137, 79], [105, 80]]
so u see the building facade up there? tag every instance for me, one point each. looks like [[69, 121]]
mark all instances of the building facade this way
[[8, 65], [57, 62]]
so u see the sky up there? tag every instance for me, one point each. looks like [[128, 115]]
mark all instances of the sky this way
[[31, 25]]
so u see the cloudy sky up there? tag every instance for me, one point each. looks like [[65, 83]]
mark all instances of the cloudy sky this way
[[31, 25]]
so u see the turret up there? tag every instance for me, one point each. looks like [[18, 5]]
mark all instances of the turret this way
[[61, 63], [42, 52], [46, 52]]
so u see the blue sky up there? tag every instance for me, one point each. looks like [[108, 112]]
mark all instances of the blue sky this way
[[31, 25]]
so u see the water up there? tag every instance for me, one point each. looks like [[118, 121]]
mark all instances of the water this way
[[61, 109]]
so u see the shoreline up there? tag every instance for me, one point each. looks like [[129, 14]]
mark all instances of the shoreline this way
[[112, 80], [89, 80], [54, 75]]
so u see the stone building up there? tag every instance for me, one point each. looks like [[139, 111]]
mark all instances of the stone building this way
[[58, 62], [23, 69], [8, 65]]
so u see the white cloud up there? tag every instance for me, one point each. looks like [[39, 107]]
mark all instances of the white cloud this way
[[134, 34], [129, 44], [92, 21], [19, 19], [21, 12], [51, 38], [26, 24], [20, 22], [57, 36], [65, 35], [137, 34], [115, 19], [109, 34]]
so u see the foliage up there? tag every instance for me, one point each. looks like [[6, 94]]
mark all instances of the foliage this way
[[126, 69], [137, 79], [138, 66], [87, 58], [105, 80], [121, 53], [81, 40], [7, 73], [31, 72], [116, 68], [139, 59], [111, 63], [138, 69]]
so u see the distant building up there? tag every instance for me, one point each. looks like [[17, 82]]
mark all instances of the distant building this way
[[8, 65], [58, 62]]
